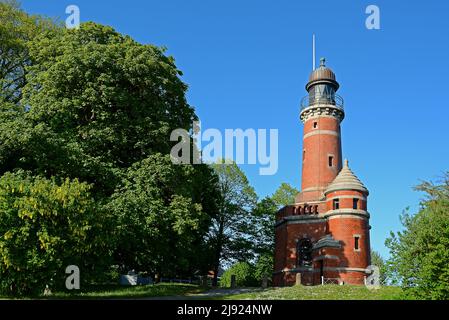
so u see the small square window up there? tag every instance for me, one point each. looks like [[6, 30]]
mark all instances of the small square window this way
[[355, 203], [315, 125], [356, 242], [331, 161], [335, 204]]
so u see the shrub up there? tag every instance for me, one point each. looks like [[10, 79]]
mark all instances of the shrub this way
[[44, 227], [264, 267], [244, 275]]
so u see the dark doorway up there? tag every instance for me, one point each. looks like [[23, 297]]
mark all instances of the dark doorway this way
[[321, 265], [304, 252]]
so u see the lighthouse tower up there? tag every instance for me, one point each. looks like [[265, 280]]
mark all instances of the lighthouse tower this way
[[321, 113], [324, 235]]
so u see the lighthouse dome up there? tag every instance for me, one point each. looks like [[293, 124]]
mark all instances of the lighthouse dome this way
[[322, 74], [346, 180]]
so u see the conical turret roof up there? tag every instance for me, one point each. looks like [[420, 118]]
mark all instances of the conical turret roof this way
[[346, 180]]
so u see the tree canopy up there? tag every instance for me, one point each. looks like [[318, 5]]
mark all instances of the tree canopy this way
[[17, 29], [45, 226], [284, 195], [159, 226], [85, 122], [419, 253], [231, 232], [94, 103]]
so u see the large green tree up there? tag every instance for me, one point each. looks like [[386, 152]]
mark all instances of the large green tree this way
[[265, 217], [94, 103], [232, 229], [420, 253], [45, 226], [17, 29], [159, 225]]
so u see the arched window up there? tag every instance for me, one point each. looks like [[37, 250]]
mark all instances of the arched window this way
[[304, 252]]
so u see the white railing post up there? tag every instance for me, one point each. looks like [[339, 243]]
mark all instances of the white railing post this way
[[322, 280], [364, 280]]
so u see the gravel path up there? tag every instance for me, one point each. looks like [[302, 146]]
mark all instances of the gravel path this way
[[207, 294]]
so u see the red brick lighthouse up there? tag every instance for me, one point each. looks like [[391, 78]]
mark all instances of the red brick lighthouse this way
[[324, 235]]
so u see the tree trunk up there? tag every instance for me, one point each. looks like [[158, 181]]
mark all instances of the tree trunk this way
[[218, 250], [215, 279]]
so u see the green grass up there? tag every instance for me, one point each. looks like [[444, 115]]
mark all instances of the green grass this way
[[326, 292], [130, 292]]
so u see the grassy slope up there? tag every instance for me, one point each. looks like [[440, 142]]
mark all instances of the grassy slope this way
[[116, 291], [327, 292]]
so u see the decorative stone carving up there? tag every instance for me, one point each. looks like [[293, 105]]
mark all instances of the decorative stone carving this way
[[322, 110]]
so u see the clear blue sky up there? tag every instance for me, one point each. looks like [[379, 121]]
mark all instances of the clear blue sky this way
[[246, 64]]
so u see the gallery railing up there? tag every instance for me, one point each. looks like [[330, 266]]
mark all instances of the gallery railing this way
[[334, 99]]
